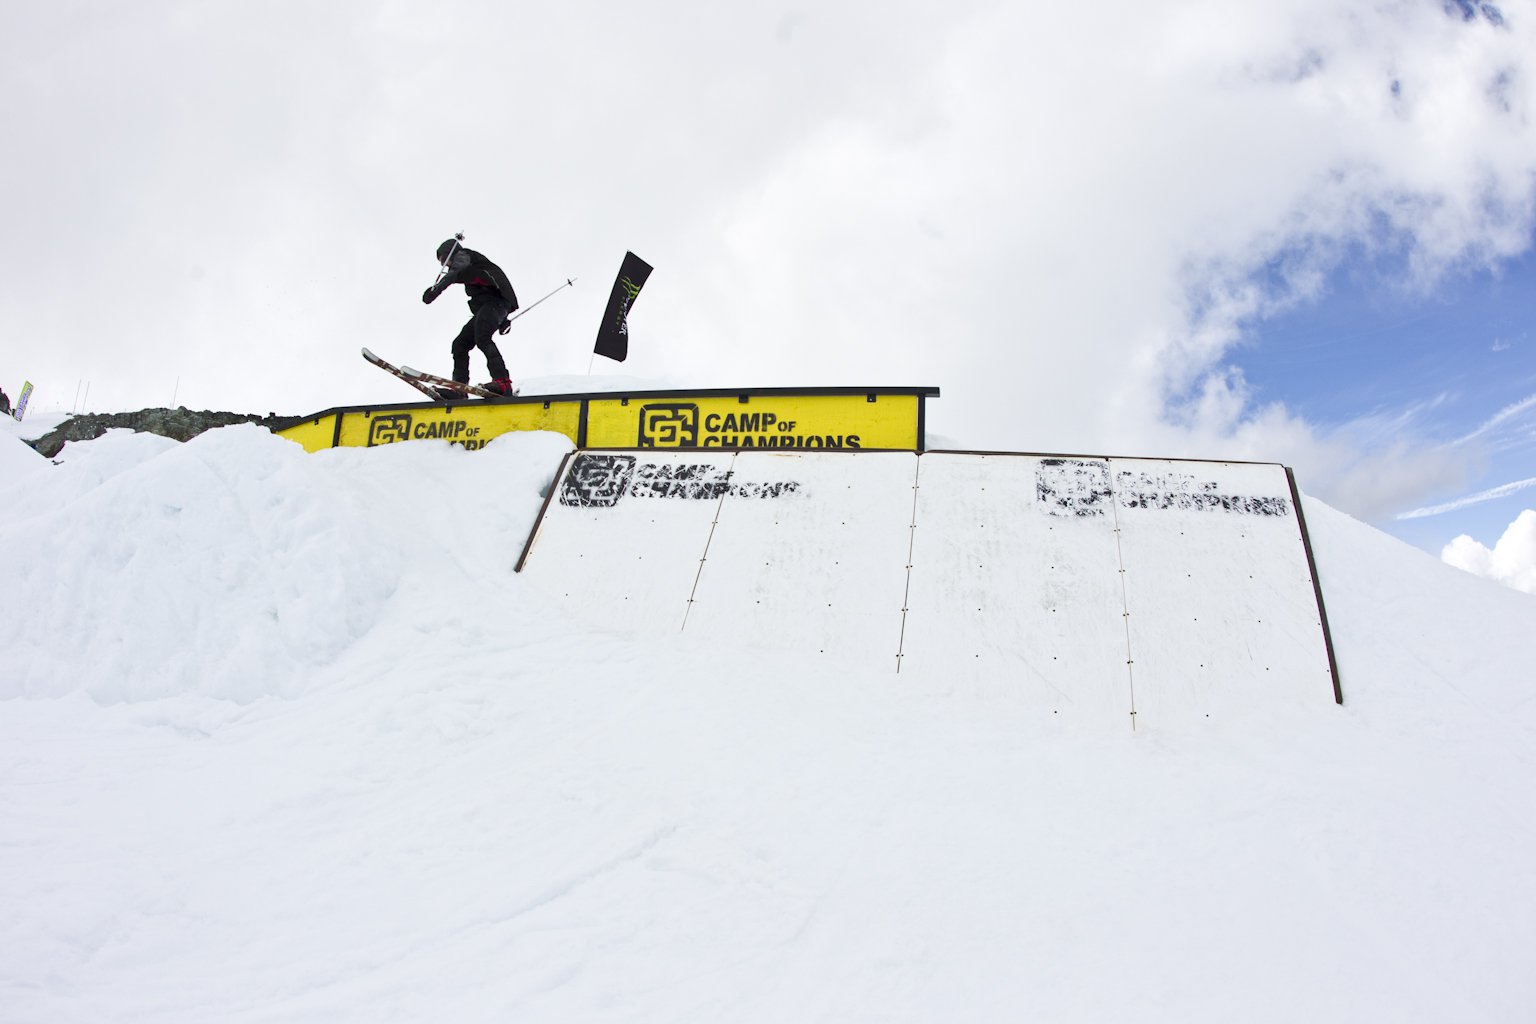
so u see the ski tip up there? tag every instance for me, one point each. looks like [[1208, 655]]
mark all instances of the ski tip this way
[[368, 353]]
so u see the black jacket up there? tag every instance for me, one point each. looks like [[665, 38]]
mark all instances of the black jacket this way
[[483, 280]]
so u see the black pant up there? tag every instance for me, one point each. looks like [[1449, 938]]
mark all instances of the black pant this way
[[480, 333]]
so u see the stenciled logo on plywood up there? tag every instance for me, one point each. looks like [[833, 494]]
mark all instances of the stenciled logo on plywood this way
[[601, 481], [1083, 487]]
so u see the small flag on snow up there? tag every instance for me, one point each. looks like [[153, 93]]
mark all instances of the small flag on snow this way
[[613, 334]]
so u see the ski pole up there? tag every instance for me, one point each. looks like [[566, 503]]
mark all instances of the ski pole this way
[[568, 283]]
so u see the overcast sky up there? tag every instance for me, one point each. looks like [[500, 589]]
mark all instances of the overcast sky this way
[[1098, 228]]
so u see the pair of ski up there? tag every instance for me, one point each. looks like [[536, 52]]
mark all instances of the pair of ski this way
[[431, 385]]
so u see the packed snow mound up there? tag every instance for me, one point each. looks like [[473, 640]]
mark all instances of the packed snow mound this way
[[234, 564], [341, 764], [17, 460], [1412, 632]]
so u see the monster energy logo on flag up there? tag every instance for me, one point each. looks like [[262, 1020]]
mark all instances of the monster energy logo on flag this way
[[613, 334]]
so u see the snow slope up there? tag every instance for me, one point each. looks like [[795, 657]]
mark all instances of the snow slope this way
[[283, 738]]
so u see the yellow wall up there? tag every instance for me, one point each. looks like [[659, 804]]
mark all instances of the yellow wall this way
[[470, 425], [671, 420], [761, 421], [313, 434]]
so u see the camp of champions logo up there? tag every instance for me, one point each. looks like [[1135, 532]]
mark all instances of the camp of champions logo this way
[[1073, 487], [1081, 487], [389, 429], [402, 427], [669, 425], [1189, 494], [679, 425], [597, 481], [600, 481]]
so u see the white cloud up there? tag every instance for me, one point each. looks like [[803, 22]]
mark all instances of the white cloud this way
[[1075, 214], [1065, 215], [1501, 491], [1512, 561], [1505, 414]]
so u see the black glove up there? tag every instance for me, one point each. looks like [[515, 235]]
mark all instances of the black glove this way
[[506, 325], [430, 294]]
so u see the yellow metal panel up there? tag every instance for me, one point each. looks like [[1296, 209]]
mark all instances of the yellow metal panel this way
[[759, 421], [312, 435], [470, 425]]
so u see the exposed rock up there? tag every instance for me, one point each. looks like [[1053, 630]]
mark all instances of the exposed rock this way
[[182, 424]]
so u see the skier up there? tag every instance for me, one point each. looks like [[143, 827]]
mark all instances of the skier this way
[[491, 302]]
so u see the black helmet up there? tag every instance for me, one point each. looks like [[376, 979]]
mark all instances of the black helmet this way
[[446, 249]]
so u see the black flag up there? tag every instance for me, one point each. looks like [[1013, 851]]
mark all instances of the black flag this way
[[613, 334]]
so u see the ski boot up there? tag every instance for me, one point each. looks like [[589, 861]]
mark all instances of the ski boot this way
[[450, 394], [502, 386]]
